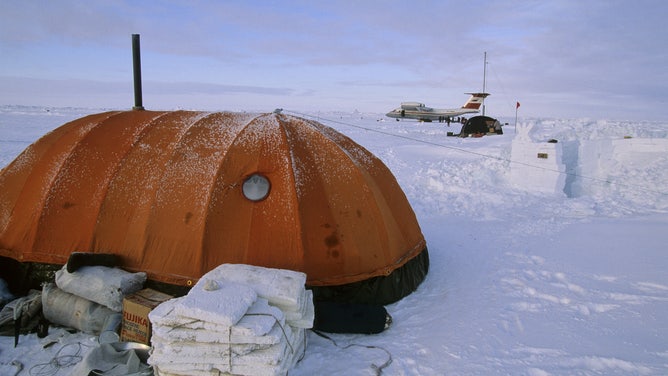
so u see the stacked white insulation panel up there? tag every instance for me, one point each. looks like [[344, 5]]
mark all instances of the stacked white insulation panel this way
[[238, 319]]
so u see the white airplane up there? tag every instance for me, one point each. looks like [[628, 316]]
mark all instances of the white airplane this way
[[418, 111]]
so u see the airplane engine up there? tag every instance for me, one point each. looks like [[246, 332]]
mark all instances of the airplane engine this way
[[411, 105]]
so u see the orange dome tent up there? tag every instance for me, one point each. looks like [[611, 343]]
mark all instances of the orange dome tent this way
[[177, 193]]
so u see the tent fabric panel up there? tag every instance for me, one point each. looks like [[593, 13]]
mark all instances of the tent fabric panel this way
[[323, 240], [129, 200], [16, 173], [32, 175], [382, 233], [389, 189], [336, 197], [69, 215], [249, 231], [264, 142], [175, 225], [388, 186], [174, 247]]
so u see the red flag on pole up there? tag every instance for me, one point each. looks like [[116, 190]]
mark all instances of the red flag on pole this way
[[517, 105]]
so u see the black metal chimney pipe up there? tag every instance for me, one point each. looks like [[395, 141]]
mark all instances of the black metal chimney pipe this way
[[136, 67]]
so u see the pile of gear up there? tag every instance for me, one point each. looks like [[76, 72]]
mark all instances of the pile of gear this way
[[89, 298], [20, 316], [87, 295], [238, 319]]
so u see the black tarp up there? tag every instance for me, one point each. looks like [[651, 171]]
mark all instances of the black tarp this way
[[379, 290], [480, 125]]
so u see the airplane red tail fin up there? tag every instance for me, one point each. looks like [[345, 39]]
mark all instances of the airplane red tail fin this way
[[475, 101]]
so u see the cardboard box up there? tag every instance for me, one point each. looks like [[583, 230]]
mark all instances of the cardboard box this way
[[136, 326]]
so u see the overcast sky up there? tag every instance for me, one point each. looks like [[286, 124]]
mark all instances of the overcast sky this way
[[603, 59]]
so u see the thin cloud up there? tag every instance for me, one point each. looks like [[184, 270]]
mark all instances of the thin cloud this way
[[369, 52]]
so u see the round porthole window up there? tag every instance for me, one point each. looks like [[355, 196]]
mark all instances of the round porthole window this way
[[256, 187]]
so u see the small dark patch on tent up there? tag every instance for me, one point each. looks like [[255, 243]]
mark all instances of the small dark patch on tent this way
[[332, 240]]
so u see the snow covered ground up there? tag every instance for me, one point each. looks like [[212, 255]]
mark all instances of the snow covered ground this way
[[524, 280]]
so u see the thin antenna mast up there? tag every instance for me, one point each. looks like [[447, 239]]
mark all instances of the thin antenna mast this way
[[484, 81]]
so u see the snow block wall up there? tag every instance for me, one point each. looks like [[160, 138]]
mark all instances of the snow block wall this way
[[587, 167], [537, 166], [616, 160]]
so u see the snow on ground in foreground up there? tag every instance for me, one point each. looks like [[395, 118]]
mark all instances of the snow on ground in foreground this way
[[521, 282]]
